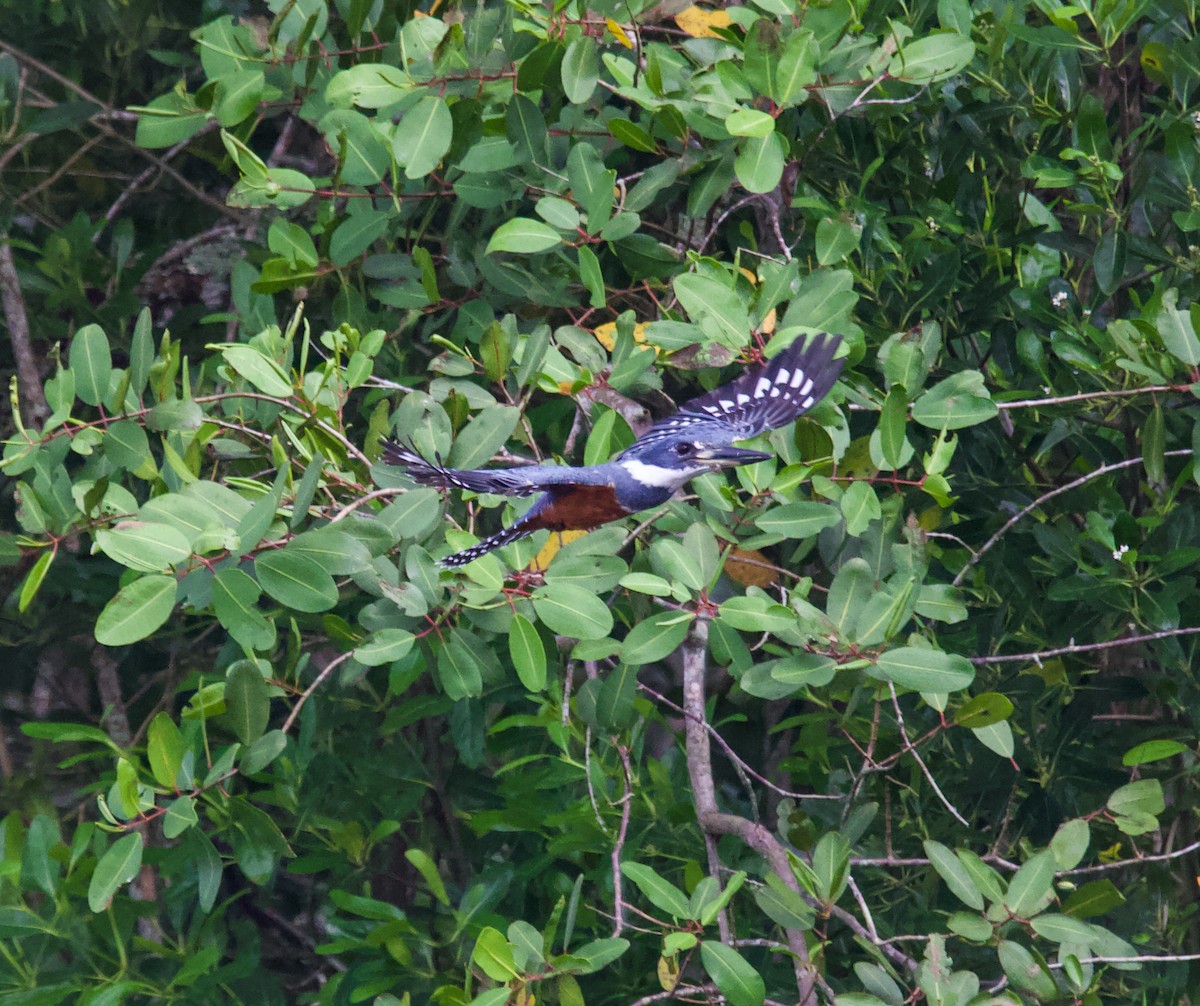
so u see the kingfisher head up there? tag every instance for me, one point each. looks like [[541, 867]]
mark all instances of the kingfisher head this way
[[668, 462]]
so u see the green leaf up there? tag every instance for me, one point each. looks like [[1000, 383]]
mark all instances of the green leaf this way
[[262, 752], [385, 647], [428, 870], [572, 611], [282, 188], [835, 239], [523, 236], [615, 699], [983, 710], [892, 422], [783, 906], [952, 871], [598, 954], [33, 580], [483, 436], [494, 955], [1144, 796], [1096, 897], [1032, 887], [262, 372], [831, 866], [1178, 330], [247, 701], [137, 610], [148, 548], [235, 597], [797, 69], [179, 817], [998, 738], [295, 581], [367, 85], [859, 506], [1108, 261], [760, 161], [661, 893], [335, 551], [591, 276], [126, 444], [1070, 843], [632, 135], [525, 127], [1025, 971], [362, 227], [423, 136], [924, 670], [119, 865], [1150, 751], [580, 69], [591, 185], [749, 122], [362, 152], [527, 653], [738, 982], [458, 669], [932, 58], [293, 243], [852, 586], [798, 520], [958, 401], [1154, 446], [91, 363], [39, 868], [165, 749], [655, 637]]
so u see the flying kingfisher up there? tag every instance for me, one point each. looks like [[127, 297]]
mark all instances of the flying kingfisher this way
[[697, 439]]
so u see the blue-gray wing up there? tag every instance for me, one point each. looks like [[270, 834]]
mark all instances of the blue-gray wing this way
[[763, 398], [505, 481]]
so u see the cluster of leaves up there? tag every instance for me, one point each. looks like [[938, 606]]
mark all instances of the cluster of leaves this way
[[474, 787]]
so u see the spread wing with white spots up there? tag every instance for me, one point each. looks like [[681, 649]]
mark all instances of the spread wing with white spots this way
[[763, 398]]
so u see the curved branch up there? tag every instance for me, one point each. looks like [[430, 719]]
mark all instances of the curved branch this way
[[1045, 497], [704, 794]]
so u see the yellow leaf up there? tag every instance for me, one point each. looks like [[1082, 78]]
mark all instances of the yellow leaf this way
[[768, 325], [700, 23], [668, 972], [751, 568], [606, 334], [551, 548], [619, 33]]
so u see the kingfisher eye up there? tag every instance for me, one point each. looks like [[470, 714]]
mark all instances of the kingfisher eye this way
[[684, 449]]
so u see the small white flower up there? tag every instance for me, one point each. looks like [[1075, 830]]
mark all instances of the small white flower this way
[[1120, 552], [1059, 299]]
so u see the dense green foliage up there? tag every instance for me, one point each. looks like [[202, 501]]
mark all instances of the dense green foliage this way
[[268, 751]]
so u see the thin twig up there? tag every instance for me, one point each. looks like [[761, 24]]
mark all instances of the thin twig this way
[[1039, 655], [1046, 497], [329, 669], [619, 844], [911, 749], [1086, 396]]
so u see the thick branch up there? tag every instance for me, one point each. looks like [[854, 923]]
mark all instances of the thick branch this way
[[34, 408], [704, 795]]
